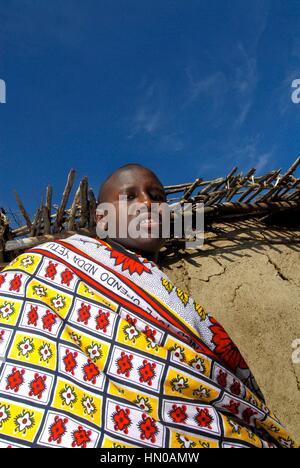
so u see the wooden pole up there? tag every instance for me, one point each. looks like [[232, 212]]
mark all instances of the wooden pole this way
[[29, 242], [84, 215], [275, 190], [93, 207], [240, 184], [23, 211], [74, 207], [64, 201], [47, 220], [188, 192]]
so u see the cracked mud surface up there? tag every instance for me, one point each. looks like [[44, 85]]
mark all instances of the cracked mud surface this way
[[254, 291]]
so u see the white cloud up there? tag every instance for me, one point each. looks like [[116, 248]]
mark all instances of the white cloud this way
[[148, 115], [172, 142], [232, 88], [262, 161], [146, 120], [208, 85], [249, 155], [244, 84], [153, 117]]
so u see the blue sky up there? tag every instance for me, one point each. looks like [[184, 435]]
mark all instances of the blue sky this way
[[189, 88]]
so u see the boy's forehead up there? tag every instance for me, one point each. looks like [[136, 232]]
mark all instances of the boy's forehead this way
[[133, 177], [135, 171], [128, 177]]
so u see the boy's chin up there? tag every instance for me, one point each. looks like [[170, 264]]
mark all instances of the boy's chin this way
[[143, 244]]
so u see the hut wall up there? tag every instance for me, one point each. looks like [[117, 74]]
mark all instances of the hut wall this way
[[248, 277]]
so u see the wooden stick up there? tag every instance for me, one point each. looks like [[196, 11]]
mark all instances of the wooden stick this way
[[294, 195], [29, 242], [64, 201], [231, 208], [212, 187], [23, 211], [240, 185], [47, 210], [24, 229], [21, 231], [231, 174], [295, 185], [74, 207], [274, 191], [93, 207], [260, 189], [178, 187], [84, 215], [227, 181], [39, 224], [35, 222], [47, 220], [49, 198], [266, 179], [190, 190]]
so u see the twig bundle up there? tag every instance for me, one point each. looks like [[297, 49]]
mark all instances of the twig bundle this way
[[234, 196]]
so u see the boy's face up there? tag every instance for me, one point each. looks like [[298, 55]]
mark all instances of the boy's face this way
[[139, 185]]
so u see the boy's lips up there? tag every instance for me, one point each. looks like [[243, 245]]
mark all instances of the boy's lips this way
[[149, 222]]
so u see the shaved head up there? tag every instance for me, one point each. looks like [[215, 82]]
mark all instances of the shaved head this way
[[120, 174]]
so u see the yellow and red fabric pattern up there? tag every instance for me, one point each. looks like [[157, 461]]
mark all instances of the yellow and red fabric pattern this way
[[98, 348]]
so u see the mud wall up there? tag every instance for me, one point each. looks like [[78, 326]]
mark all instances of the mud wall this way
[[248, 277]]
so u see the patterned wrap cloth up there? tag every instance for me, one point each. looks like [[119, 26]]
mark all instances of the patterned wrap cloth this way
[[99, 348]]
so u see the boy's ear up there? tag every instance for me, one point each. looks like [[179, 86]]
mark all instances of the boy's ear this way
[[100, 222], [97, 217], [98, 214]]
